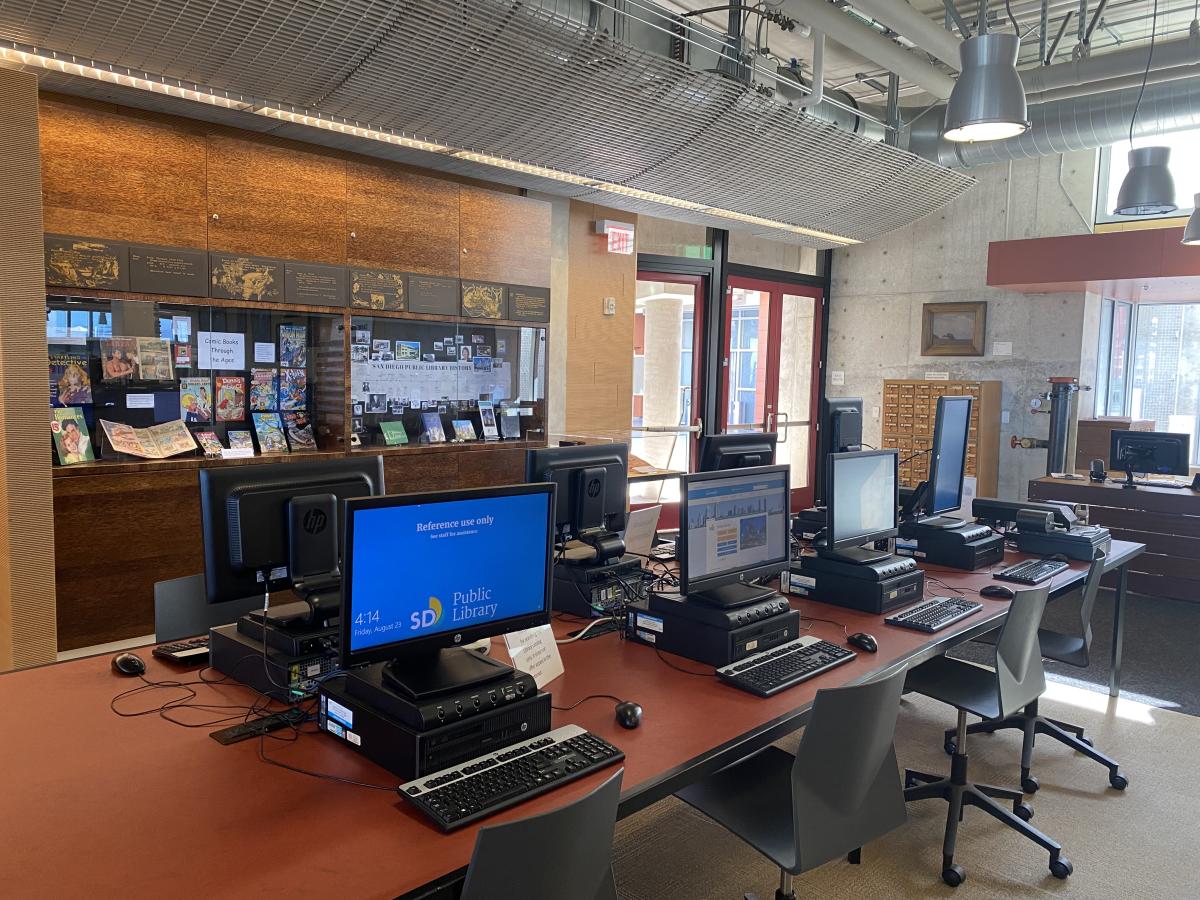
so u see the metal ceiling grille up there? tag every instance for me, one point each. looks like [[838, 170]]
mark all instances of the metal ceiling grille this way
[[522, 81]]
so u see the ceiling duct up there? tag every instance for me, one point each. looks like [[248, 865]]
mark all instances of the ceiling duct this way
[[586, 100], [1064, 126]]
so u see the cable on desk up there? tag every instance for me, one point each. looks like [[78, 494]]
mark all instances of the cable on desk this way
[[586, 699], [580, 635], [845, 630], [681, 668], [958, 592], [262, 755]]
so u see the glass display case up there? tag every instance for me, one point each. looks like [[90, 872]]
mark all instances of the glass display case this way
[[139, 379], [425, 381]]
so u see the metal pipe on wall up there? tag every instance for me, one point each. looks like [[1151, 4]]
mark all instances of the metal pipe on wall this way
[[918, 28]]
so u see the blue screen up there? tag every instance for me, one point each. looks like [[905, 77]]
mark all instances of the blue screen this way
[[951, 454], [430, 568]]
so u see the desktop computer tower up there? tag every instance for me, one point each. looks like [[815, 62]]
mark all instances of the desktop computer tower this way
[[409, 753], [280, 675], [584, 590], [712, 636]]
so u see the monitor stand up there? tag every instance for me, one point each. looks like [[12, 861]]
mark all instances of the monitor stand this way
[[426, 675], [732, 595], [940, 522], [856, 556]]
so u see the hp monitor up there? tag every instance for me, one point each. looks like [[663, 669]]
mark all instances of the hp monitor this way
[[734, 529], [839, 430], [742, 450], [429, 573], [942, 492], [592, 482], [863, 496], [1149, 452]]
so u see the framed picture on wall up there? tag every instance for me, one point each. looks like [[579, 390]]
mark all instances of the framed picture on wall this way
[[953, 329]]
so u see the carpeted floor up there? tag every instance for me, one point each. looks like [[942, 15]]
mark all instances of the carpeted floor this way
[[1131, 845]]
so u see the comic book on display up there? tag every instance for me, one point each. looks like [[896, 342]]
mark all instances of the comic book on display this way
[[463, 430], [299, 430], [71, 438], [154, 361], [269, 428], [231, 398], [293, 346], [487, 417], [434, 433], [156, 442], [209, 443], [393, 433], [118, 359], [240, 440], [70, 384], [293, 383], [195, 401], [264, 390]]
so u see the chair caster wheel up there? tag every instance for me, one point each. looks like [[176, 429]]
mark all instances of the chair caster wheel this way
[[954, 875], [950, 746], [1061, 867], [1023, 811], [1118, 780], [1030, 785]]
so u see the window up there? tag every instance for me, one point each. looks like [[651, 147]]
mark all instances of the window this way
[[1149, 365], [1185, 169]]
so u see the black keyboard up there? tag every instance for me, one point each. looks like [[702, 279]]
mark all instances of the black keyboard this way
[[935, 614], [187, 652], [782, 667], [468, 792], [1032, 571]]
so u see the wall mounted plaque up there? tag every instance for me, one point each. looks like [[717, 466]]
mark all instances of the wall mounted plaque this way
[[529, 304], [234, 277], [87, 262], [168, 270], [316, 285], [433, 295], [484, 300], [378, 289]]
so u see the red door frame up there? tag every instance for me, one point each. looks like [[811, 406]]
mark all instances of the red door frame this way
[[770, 340], [669, 517]]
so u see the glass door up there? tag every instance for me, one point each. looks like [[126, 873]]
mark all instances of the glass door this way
[[668, 323], [771, 368]]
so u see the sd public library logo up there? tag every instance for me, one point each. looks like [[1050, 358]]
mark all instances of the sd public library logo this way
[[475, 603], [428, 617]]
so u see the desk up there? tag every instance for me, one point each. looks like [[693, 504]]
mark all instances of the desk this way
[[99, 805]]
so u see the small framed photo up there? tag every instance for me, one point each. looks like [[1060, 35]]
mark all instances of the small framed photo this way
[[953, 329]]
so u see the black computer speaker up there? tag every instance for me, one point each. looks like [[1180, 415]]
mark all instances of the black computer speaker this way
[[1097, 472]]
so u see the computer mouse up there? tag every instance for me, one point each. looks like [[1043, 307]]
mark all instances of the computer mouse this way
[[128, 664], [999, 591], [629, 714], [1059, 557], [863, 641]]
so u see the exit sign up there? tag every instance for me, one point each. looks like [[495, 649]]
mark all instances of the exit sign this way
[[620, 236]]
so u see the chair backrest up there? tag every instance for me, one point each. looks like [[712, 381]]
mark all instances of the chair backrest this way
[[563, 853], [846, 788], [1090, 589], [1020, 678], [182, 611]]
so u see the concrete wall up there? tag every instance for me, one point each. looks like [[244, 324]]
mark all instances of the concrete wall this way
[[879, 288]]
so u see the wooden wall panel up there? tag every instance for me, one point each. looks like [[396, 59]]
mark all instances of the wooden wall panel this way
[[401, 220], [504, 237], [275, 199], [26, 521], [118, 173], [599, 395]]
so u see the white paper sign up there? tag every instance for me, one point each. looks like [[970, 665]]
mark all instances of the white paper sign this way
[[421, 380], [1001, 348], [237, 452], [264, 352], [139, 401], [534, 651], [837, 377], [937, 376], [181, 329], [221, 350]]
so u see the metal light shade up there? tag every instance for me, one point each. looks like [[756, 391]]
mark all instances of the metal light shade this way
[[988, 100], [1191, 234], [1148, 188]]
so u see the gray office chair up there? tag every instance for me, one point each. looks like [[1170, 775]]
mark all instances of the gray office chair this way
[[840, 790], [1016, 681], [563, 853], [182, 611], [1074, 650]]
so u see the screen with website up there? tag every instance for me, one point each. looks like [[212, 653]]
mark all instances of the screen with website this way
[[864, 495], [952, 454], [428, 568], [736, 523]]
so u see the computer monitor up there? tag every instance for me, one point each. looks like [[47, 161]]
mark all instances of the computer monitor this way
[[427, 573], [863, 494], [839, 430], [592, 482], [943, 490], [1149, 453], [734, 528], [273, 526], [742, 450]]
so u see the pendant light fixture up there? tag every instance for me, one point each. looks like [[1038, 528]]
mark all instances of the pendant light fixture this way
[[1191, 234], [988, 100], [1148, 188]]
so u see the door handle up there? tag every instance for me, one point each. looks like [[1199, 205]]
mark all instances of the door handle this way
[[784, 429]]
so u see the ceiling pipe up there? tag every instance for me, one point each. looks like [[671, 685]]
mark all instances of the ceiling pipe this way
[[918, 28], [1108, 85], [1118, 63], [871, 44], [1066, 126]]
